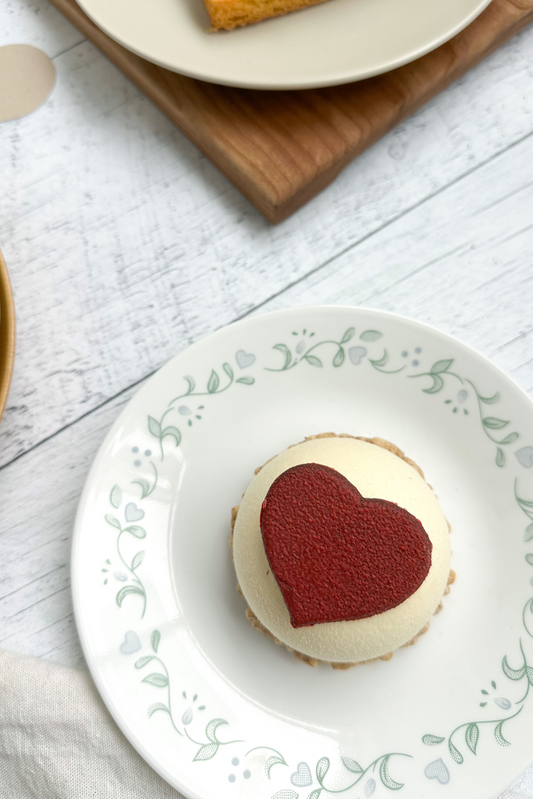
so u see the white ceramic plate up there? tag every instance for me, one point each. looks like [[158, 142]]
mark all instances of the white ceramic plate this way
[[338, 42], [214, 706]]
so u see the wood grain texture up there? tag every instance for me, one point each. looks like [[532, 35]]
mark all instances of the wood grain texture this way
[[281, 148], [38, 23], [125, 244], [40, 495], [460, 261]]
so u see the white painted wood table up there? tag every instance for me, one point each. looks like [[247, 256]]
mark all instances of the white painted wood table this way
[[125, 245]]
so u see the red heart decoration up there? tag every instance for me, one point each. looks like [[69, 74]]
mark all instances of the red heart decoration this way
[[335, 555]]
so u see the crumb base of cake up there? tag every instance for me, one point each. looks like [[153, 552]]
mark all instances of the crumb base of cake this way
[[231, 14], [311, 661], [254, 621]]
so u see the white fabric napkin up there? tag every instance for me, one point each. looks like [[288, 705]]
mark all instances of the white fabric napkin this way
[[58, 741]]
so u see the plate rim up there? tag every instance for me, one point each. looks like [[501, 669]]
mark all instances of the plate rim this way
[[343, 77], [174, 779]]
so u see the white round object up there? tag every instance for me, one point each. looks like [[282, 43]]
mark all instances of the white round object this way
[[27, 77], [210, 703], [336, 42]]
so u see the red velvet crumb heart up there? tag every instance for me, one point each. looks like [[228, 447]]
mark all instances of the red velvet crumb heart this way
[[335, 555]]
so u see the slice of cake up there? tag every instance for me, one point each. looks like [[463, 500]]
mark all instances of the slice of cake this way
[[341, 550], [230, 14]]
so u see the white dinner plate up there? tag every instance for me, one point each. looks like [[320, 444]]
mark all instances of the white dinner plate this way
[[337, 42], [214, 706]]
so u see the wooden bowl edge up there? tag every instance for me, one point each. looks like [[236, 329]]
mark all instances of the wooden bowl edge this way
[[7, 333]]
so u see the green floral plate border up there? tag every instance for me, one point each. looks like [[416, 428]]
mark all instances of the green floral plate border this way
[[217, 709]]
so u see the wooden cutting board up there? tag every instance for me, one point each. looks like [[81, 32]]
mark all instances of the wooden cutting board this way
[[281, 148]]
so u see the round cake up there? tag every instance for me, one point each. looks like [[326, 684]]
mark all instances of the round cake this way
[[341, 549]]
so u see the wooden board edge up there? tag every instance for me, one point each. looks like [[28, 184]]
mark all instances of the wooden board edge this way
[[278, 213], [276, 209]]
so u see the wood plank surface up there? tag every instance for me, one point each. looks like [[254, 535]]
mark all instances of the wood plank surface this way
[[125, 244], [281, 148], [461, 261], [38, 23]]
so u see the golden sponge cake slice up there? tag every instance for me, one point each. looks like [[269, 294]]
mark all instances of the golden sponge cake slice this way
[[230, 14]]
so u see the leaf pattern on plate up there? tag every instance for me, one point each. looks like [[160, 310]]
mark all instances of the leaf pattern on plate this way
[[321, 356]]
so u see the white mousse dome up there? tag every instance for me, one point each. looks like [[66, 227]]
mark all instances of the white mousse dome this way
[[376, 472]]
